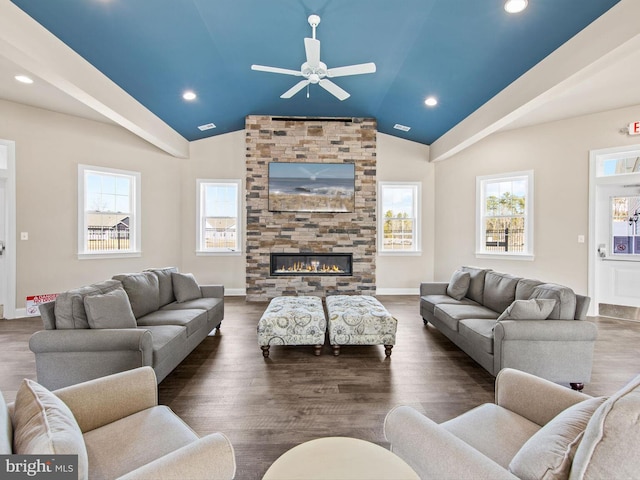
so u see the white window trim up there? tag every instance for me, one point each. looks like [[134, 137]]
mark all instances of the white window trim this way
[[135, 226], [200, 251], [528, 255], [417, 251]]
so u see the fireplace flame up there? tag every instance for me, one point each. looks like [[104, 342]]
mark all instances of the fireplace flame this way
[[312, 267]]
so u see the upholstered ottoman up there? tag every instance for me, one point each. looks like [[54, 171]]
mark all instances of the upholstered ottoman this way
[[292, 321], [360, 320]]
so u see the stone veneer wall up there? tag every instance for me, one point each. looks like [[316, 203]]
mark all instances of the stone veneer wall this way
[[274, 139]]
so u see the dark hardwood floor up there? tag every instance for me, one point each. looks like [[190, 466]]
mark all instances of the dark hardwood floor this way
[[267, 406]]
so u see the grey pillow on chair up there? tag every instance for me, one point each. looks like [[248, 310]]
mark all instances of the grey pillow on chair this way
[[185, 287], [459, 284], [110, 310]]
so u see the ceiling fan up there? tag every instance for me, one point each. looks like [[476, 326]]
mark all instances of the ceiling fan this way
[[316, 72]]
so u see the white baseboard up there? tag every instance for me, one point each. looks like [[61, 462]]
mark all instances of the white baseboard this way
[[20, 312], [398, 291], [235, 292]]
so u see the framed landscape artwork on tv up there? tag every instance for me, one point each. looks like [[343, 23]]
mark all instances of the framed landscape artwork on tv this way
[[311, 187]]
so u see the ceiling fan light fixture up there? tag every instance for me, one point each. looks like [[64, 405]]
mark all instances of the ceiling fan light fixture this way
[[515, 6]]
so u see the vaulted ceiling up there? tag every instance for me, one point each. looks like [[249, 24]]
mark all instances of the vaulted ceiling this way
[[463, 52]]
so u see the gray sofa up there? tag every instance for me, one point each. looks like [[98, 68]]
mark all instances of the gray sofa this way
[[152, 318], [487, 322], [535, 429]]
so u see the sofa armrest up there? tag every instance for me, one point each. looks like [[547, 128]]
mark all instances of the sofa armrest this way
[[104, 400], [212, 291], [433, 288], [532, 397], [435, 453], [211, 457], [89, 340], [543, 330]]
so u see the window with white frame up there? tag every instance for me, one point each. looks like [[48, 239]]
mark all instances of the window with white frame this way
[[218, 216], [505, 215], [399, 217], [108, 212]]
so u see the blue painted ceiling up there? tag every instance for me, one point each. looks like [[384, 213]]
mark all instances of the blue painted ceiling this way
[[461, 51]]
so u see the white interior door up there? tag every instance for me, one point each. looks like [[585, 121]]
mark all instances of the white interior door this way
[[3, 240], [614, 259]]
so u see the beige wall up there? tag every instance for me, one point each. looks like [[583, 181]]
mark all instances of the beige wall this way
[[49, 147], [558, 153], [403, 161]]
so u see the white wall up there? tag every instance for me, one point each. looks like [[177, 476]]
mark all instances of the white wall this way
[[558, 153], [403, 161], [49, 147]]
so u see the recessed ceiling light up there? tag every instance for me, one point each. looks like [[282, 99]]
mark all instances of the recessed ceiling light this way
[[515, 6], [404, 128], [189, 95], [23, 79], [206, 126], [431, 101]]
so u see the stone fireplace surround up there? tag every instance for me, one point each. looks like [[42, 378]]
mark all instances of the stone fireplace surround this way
[[317, 140]]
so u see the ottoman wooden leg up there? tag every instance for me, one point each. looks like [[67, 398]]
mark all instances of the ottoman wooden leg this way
[[317, 350], [336, 350], [387, 350], [265, 350]]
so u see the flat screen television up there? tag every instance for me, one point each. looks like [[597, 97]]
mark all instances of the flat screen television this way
[[311, 187]]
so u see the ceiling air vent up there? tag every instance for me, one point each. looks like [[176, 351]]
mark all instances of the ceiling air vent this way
[[404, 128], [206, 126]]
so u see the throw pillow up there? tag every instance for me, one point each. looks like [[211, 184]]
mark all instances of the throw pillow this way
[[534, 309], [44, 425], [459, 284], [110, 310], [185, 287], [549, 453]]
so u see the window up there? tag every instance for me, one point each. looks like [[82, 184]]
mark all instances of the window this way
[[108, 212], [504, 215], [218, 216], [399, 217]]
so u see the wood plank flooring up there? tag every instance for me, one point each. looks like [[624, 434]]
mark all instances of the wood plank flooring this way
[[267, 406]]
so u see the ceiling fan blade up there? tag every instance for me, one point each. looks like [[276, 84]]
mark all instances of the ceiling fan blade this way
[[295, 89], [284, 71], [333, 89], [312, 48], [352, 70]]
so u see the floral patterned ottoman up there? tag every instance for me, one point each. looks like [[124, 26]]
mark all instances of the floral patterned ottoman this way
[[360, 320], [292, 321]]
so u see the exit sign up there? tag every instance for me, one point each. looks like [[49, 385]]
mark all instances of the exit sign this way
[[634, 128]]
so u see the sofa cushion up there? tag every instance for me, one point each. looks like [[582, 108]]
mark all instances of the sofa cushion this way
[[534, 309], [43, 424], [548, 454], [499, 290], [185, 287], [109, 310], [432, 300], [458, 285], [478, 331], [451, 314], [525, 288], [69, 306], [609, 448], [153, 433], [165, 284], [192, 320], [565, 308], [143, 291], [476, 282], [211, 305]]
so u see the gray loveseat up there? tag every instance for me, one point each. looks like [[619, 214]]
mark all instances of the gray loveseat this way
[[152, 318], [487, 322]]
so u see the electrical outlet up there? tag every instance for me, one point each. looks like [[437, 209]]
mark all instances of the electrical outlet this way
[[580, 238], [24, 235]]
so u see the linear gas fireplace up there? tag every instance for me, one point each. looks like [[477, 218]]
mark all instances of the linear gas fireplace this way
[[311, 264]]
